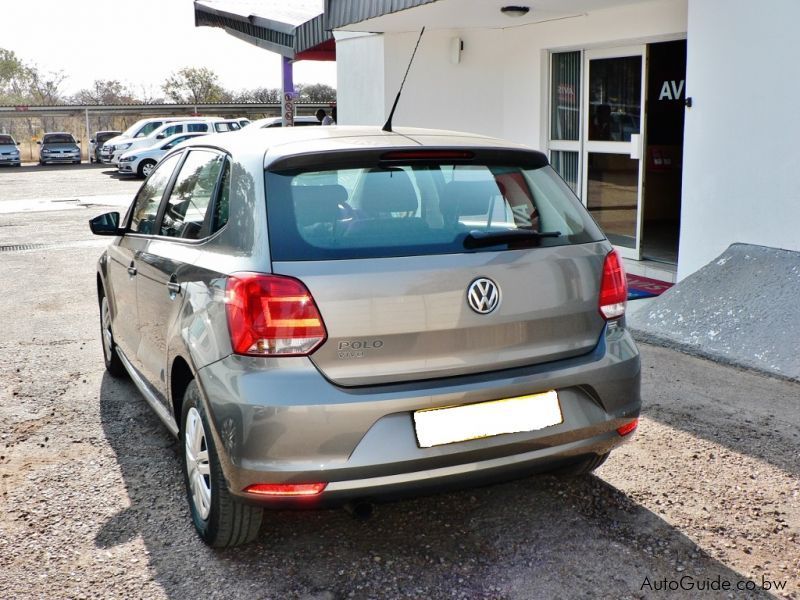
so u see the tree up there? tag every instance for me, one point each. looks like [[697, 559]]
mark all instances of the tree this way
[[14, 78], [104, 91], [316, 93], [193, 85], [262, 95]]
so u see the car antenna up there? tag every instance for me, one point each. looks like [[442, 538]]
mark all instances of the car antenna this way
[[388, 125]]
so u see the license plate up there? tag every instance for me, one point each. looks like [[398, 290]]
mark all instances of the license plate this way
[[437, 426]]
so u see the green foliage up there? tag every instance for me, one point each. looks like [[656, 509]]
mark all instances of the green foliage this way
[[315, 93], [192, 85]]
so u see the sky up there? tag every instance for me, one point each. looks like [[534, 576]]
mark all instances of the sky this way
[[138, 42]]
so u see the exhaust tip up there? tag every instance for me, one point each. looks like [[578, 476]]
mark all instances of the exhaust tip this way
[[361, 510]]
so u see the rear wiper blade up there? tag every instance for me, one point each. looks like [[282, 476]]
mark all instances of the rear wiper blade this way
[[483, 239]]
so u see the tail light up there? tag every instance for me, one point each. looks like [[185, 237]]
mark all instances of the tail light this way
[[613, 287], [271, 315], [285, 489]]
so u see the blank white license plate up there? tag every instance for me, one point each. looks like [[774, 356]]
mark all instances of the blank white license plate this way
[[436, 426]]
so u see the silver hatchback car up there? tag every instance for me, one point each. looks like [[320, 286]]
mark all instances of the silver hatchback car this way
[[330, 315]]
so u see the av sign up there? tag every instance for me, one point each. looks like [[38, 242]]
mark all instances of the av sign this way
[[672, 90]]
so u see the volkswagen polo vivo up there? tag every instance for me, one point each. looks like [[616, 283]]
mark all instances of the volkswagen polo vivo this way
[[329, 314]]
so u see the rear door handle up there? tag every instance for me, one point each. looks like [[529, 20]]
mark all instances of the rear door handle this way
[[132, 270], [173, 286]]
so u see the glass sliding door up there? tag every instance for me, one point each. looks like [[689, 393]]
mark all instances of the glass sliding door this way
[[611, 182], [565, 116]]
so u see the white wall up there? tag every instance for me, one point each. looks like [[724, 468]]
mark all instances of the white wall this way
[[741, 157], [467, 96], [360, 96]]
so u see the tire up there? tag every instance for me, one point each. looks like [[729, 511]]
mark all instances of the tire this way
[[582, 466], [112, 360], [145, 168], [220, 519]]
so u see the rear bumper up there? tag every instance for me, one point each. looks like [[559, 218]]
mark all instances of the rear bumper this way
[[280, 421]]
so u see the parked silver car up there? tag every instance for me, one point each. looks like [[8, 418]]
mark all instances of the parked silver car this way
[[97, 142], [59, 147], [9, 151], [330, 315]]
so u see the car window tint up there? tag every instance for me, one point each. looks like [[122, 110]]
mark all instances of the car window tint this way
[[221, 207], [149, 197], [197, 127], [149, 128], [379, 211], [172, 130], [176, 141], [190, 197]]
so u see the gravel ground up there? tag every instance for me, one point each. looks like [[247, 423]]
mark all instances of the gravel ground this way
[[92, 505]]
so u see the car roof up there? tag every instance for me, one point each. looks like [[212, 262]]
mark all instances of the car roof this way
[[276, 143]]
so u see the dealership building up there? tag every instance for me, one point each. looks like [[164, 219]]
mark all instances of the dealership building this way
[[653, 111]]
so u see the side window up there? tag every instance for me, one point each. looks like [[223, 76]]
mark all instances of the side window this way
[[148, 199], [175, 142], [221, 206], [190, 197], [149, 128], [193, 127], [172, 130]]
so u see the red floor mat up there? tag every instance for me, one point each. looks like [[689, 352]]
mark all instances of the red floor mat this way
[[644, 287]]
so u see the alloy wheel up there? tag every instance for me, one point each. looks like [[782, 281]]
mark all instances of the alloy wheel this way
[[197, 465], [108, 338]]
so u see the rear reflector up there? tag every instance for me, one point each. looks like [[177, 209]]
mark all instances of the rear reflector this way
[[271, 315], [285, 489], [613, 288], [628, 427]]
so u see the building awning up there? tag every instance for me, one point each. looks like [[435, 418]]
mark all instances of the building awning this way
[[292, 29], [341, 13], [383, 16]]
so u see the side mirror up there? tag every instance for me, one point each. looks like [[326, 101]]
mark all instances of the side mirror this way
[[39, 142], [91, 141], [77, 141], [160, 136], [106, 224]]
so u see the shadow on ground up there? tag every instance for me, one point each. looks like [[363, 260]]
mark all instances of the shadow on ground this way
[[538, 537], [724, 405]]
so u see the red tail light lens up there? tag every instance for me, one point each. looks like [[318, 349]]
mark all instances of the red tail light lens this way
[[271, 315], [628, 428], [613, 288], [286, 489]]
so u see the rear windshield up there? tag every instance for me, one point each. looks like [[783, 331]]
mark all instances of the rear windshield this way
[[6, 139], [413, 210], [104, 137], [59, 138]]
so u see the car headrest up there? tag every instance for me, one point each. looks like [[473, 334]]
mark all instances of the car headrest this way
[[318, 203], [388, 191], [467, 198]]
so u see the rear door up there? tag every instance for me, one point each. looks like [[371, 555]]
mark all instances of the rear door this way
[[389, 256]]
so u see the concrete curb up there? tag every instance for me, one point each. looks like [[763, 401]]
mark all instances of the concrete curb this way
[[742, 309]]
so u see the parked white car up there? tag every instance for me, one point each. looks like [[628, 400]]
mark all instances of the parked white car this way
[[143, 128], [197, 125], [141, 161]]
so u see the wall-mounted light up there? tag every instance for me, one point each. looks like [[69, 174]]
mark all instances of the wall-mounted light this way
[[456, 47], [515, 11]]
